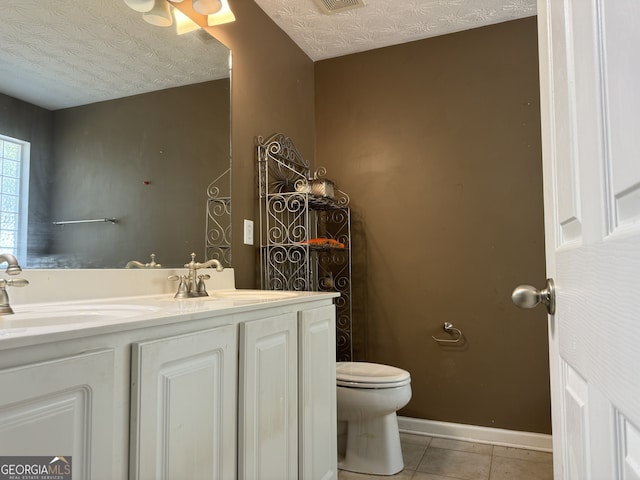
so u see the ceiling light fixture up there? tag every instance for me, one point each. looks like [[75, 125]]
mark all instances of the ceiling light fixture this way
[[141, 6], [159, 13], [183, 23], [224, 15], [207, 7]]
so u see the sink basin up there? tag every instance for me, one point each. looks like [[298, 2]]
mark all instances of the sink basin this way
[[252, 294], [52, 315]]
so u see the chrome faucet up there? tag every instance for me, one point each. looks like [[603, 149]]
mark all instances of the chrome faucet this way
[[13, 268], [137, 264], [12, 263], [192, 284]]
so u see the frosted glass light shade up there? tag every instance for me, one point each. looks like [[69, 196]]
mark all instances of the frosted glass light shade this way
[[183, 23], [159, 15], [225, 15], [207, 7], [141, 6]]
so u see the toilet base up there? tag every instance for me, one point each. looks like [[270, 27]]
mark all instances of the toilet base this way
[[373, 446]]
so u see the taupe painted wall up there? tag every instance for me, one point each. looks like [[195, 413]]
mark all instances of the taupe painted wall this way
[[438, 144], [272, 91]]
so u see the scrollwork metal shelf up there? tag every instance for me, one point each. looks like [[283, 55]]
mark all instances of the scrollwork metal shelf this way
[[218, 236], [305, 238]]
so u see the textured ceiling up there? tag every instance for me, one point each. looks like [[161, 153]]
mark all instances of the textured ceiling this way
[[62, 53], [381, 23]]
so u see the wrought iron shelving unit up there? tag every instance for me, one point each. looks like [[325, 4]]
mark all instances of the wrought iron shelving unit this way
[[305, 231], [218, 236]]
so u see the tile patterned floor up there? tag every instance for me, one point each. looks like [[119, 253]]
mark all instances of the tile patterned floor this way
[[429, 458]]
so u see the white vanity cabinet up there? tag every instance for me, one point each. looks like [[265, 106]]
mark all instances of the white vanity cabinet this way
[[287, 397], [317, 394], [246, 391], [183, 401], [62, 407], [268, 399]]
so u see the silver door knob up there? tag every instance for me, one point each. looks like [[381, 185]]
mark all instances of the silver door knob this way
[[526, 296]]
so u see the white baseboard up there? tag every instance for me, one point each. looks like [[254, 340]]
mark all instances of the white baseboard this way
[[474, 433]]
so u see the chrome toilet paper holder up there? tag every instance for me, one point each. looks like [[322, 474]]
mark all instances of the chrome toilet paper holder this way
[[449, 328]]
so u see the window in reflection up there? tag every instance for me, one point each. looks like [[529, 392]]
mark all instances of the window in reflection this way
[[14, 194]]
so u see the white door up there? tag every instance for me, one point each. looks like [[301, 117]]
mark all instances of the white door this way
[[590, 103]]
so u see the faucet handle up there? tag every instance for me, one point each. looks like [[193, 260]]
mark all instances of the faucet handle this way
[[183, 290], [201, 290], [153, 263], [13, 282], [5, 308], [192, 263]]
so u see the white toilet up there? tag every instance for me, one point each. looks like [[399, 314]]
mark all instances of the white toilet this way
[[368, 395]]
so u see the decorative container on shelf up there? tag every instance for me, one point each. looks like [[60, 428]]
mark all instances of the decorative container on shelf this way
[[319, 187]]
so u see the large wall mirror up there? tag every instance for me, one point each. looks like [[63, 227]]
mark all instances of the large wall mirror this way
[[121, 120]]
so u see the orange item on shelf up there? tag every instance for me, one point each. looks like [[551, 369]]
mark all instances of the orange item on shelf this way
[[324, 242]]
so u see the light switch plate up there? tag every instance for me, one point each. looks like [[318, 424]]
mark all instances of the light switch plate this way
[[248, 232]]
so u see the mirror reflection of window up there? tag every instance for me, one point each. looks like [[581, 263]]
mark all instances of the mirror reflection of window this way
[[14, 194]]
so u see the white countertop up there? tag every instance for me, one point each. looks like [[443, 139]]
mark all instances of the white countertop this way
[[88, 310]]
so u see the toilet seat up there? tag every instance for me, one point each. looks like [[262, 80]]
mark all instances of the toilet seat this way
[[370, 375]]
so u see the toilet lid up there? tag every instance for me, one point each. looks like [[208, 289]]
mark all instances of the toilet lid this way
[[370, 375]]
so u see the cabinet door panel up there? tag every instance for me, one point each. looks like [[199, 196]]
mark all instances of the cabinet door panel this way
[[268, 412], [317, 379], [61, 407], [183, 405]]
